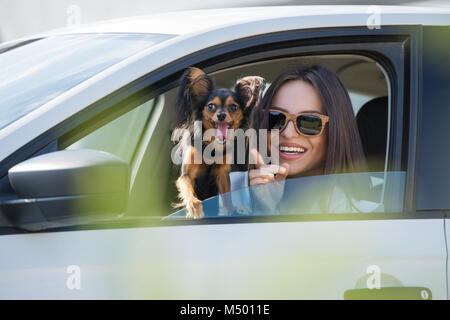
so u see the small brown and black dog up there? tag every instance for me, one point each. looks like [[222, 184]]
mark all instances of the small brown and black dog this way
[[217, 109]]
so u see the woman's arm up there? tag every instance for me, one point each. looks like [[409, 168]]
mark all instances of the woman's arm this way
[[256, 200], [240, 193]]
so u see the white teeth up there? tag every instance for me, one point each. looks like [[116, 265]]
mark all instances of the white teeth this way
[[291, 149], [221, 140]]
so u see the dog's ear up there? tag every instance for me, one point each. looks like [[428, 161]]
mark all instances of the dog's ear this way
[[250, 90], [195, 88]]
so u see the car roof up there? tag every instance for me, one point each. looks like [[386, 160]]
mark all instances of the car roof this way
[[186, 22]]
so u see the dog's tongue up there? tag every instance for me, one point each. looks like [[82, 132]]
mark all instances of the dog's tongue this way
[[221, 130]]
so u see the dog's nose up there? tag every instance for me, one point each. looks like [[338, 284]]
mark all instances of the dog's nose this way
[[221, 116]]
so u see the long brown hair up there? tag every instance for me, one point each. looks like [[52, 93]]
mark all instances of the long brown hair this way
[[345, 152]]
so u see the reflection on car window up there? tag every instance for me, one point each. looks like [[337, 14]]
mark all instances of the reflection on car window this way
[[36, 73], [120, 136], [369, 192]]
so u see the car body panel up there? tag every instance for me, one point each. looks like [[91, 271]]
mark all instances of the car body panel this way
[[187, 22], [294, 260]]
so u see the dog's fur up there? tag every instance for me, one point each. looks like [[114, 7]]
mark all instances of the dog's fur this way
[[231, 110]]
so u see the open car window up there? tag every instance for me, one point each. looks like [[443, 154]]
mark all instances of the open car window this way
[[374, 191]]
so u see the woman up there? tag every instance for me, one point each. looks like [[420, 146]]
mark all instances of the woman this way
[[318, 135]]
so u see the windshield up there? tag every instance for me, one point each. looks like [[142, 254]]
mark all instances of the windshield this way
[[34, 74]]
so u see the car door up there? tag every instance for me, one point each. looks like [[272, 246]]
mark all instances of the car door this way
[[398, 253], [140, 255]]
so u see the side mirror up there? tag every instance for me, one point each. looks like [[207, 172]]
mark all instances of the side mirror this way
[[66, 188]]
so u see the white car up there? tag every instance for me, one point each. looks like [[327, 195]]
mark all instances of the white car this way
[[87, 181]]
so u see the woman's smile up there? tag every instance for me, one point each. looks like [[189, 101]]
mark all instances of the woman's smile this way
[[291, 151]]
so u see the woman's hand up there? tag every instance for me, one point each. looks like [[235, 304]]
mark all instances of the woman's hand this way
[[271, 178], [265, 173]]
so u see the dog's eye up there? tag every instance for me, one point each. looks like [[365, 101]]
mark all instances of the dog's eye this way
[[212, 107], [233, 107]]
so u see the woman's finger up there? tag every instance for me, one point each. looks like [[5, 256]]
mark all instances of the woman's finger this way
[[257, 158], [266, 171], [272, 168], [256, 174], [253, 174], [282, 174], [258, 181]]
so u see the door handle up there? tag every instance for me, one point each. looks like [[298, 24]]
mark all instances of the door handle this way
[[389, 293]]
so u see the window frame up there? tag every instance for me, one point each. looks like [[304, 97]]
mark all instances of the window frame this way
[[396, 48], [431, 185]]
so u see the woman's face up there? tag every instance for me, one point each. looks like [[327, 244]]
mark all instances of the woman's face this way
[[297, 96]]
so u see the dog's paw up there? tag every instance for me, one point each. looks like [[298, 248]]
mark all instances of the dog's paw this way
[[194, 209], [250, 89]]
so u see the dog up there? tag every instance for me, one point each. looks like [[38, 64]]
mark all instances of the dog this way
[[220, 110]]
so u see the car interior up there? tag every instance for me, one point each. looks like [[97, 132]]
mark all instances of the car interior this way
[[146, 130]]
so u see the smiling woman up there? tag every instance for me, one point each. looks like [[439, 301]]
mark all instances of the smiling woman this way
[[335, 145], [310, 112]]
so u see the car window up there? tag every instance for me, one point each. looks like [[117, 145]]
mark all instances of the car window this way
[[374, 191], [39, 71], [326, 194], [120, 136]]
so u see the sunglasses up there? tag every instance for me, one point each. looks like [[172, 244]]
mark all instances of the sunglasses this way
[[306, 124]]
